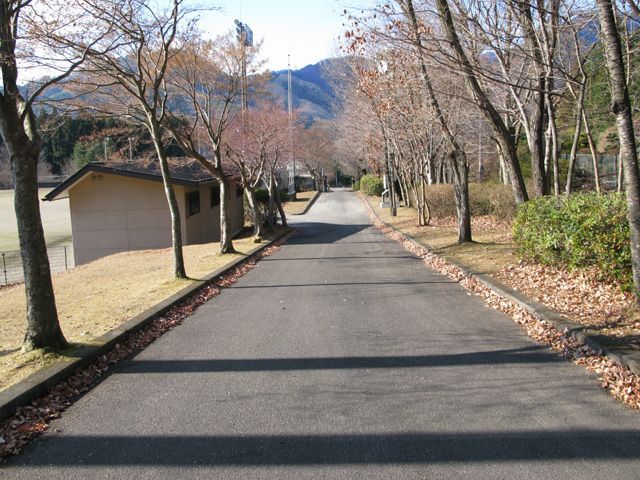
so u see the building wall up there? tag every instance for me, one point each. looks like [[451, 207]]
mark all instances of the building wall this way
[[112, 213], [204, 227]]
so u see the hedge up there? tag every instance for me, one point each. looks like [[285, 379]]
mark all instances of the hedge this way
[[578, 231], [371, 185]]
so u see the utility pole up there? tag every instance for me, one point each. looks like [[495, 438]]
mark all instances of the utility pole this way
[[292, 160]]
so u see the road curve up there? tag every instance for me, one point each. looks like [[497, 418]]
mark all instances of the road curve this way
[[341, 356]]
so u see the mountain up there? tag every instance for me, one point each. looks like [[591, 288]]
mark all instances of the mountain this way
[[313, 94]]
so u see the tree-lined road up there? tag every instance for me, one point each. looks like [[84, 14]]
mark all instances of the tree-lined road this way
[[341, 356]]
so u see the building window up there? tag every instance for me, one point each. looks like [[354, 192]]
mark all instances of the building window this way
[[193, 203], [215, 196], [239, 191]]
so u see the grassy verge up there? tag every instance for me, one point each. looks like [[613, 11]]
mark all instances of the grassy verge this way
[[99, 296], [297, 206]]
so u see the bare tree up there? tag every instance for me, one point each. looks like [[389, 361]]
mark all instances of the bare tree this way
[[504, 138], [130, 78], [29, 39], [457, 155], [208, 74], [252, 147]]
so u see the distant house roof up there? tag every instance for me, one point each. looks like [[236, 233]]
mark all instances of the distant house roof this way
[[188, 173]]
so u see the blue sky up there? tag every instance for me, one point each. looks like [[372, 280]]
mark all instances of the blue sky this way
[[305, 29]]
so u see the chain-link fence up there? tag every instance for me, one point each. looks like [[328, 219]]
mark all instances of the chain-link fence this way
[[60, 259]]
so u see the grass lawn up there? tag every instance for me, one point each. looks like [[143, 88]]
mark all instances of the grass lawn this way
[[297, 206], [491, 251], [97, 297], [56, 221]]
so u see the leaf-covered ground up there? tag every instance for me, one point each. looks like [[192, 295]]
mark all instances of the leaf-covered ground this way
[[582, 296]]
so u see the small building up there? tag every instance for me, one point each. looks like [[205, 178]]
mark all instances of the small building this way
[[121, 207]]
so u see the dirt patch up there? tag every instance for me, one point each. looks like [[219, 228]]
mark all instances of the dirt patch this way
[[297, 206], [491, 251]]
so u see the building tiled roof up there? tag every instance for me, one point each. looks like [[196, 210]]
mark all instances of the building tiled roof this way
[[183, 171]]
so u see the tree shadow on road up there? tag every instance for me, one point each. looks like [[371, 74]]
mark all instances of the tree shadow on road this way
[[534, 354], [340, 449]]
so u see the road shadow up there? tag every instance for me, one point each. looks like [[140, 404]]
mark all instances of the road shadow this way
[[339, 449], [321, 233], [534, 354]]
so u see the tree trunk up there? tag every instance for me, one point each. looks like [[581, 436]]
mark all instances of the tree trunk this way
[[176, 224], [18, 130], [620, 176], [535, 140], [43, 327], [460, 171], [457, 159], [278, 200], [592, 149], [504, 175], [226, 243], [576, 138], [271, 216], [621, 107], [255, 214], [426, 211], [554, 163]]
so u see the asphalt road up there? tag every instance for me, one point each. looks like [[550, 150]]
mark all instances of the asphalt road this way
[[341, 356]]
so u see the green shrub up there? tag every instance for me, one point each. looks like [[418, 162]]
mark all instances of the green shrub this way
[[262, 195], [356, 186], [371, 185], [579, 231], [284, 195]]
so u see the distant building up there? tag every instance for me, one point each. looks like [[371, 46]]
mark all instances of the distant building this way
[[121, 207]]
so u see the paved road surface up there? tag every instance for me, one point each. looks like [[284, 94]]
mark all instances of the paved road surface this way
[[343, 357]]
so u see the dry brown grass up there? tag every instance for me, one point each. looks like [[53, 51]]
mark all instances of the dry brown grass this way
[[297, 206], [99, 296], [491, 251]]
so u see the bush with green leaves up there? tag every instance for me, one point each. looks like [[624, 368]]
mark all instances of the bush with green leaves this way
[[579, 231], [356, 186], [371, 185]]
